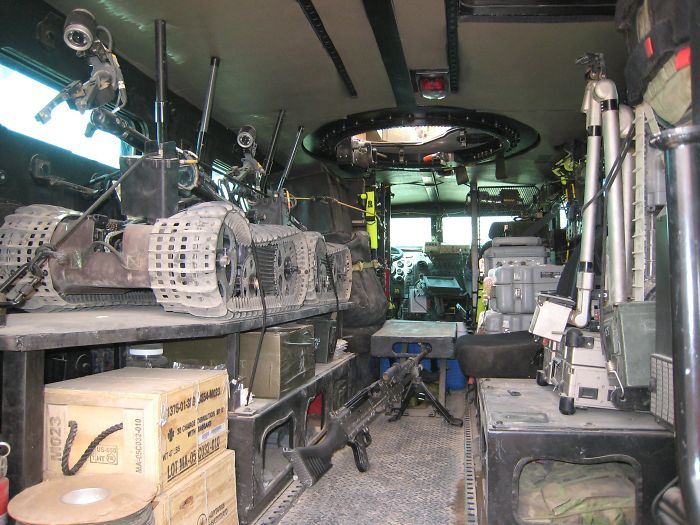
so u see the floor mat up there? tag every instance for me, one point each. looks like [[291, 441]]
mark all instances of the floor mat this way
[[416, 476]]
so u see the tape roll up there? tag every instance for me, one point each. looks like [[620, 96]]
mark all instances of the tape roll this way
[[106, 499]]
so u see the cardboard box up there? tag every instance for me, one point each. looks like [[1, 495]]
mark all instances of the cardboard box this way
[[206, 496], [173, 420], [287, 359]]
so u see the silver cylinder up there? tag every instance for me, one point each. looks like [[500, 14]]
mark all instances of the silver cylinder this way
[[627, 174], [682, 155], [585, 278], [606, 93], [474, 191]]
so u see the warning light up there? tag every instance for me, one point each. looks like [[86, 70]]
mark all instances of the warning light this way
[[432, 85]]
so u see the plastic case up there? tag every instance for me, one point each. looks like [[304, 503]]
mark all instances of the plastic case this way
[[494, 322], [516, 287], [514, 250]]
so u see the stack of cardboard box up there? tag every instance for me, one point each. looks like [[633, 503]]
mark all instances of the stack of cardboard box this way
[[175, 430]]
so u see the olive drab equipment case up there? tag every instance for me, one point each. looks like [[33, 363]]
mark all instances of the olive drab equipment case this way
[[658, 67]]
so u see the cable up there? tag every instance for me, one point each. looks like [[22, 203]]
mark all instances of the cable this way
[[103, 198], [72, 471], [617, 165], [254, 251], [335, 290], [331, 200]]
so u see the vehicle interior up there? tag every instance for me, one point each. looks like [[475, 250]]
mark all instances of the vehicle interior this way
[[373, 261]]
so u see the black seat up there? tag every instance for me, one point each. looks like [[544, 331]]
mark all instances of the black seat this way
[[509, 355], [497, 355]]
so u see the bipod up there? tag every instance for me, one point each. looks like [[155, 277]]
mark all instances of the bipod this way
[[416, 387]]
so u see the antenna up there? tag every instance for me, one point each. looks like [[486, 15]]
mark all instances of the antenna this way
[[206, 109], [161, 83], [292, 156], [270, 160]]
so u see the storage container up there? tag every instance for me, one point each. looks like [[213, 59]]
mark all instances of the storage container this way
[[205, 496], [325, 332], [287, 359], [494, 322], [172, 421], [516, 287], [514, 250]]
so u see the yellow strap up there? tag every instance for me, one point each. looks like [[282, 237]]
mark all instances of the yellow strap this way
[[358, 267]]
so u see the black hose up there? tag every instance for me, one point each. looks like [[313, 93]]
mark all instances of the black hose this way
[[617, 165]]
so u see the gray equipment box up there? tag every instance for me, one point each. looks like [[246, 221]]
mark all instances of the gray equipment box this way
[[497, 323], [287, 359], [514, 250], [516, 287], [582, 378]]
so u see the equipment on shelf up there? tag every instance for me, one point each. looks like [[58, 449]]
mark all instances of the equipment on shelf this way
[[579, 371], [207, 260], [223, 258]]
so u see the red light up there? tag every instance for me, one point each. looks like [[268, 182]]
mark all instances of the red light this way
[[432, 84]]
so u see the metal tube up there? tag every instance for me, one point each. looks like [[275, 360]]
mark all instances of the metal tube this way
[[606, 93], [682, 154], [474, 193], [585, 279], [292, 156], [161, 83], [206, 109], [695, 60], [270, 160], [627, 173]]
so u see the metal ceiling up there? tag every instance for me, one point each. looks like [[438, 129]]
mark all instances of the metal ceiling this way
[[272, 59]]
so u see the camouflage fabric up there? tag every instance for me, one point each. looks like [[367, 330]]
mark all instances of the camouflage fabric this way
[[567, 493]]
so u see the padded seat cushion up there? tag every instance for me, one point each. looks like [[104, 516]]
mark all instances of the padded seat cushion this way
[[509, 355]]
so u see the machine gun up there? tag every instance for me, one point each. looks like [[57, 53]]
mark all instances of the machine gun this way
[[349, 425]]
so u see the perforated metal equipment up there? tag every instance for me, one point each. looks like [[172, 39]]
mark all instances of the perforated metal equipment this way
[[207, 260], [22, 233], [662, 388]]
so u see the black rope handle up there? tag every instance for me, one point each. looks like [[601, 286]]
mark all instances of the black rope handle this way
[[72, 471]]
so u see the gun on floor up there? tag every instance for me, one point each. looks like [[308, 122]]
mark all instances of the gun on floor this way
[[350, 424]]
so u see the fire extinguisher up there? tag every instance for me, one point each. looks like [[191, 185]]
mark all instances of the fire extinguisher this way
[[4, 482]]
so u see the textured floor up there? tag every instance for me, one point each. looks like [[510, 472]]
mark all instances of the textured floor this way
[[416, 477]]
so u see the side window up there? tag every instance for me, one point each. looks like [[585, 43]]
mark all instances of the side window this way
[[22, 97]]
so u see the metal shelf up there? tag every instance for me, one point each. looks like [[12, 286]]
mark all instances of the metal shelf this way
[[49, 330]]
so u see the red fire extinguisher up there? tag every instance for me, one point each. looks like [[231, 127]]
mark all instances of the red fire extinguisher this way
[[4, 482]]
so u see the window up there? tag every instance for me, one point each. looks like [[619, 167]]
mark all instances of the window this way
[[22, 98], [458, 230], [410, 232]]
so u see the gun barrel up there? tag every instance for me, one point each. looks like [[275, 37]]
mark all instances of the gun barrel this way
[[397, 369]]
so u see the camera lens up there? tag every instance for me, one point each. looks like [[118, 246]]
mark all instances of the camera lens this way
[[79, 30], [246, 137], [77, 38]]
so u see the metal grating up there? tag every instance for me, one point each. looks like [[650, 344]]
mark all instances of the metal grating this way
[[506, 200], [415, 477], [470, 499], [662, 393]]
